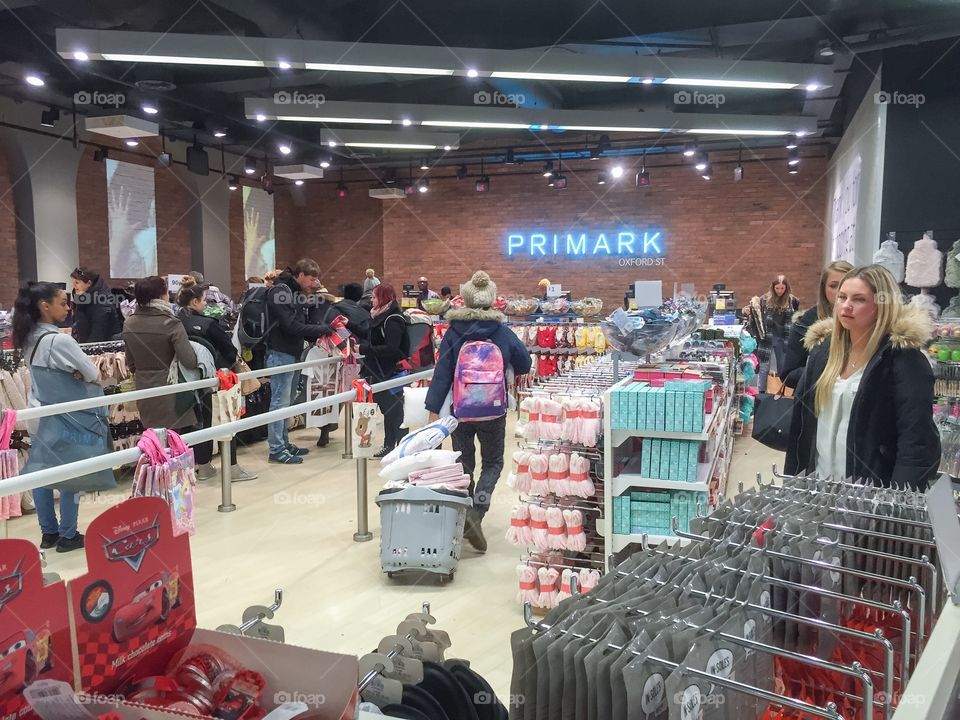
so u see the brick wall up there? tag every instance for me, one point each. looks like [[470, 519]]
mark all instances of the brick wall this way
[[741, 234], [173, 204], [9, 268]]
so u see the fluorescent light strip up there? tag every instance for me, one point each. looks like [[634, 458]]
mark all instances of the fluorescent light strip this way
[[180, 60], [716, 131], [391, 69], [751, 84], [602, 128], [311, 118], [573, 77], [391, 146], [468, 124]]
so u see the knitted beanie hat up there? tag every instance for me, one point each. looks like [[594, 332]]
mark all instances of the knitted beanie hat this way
[[480, 292]]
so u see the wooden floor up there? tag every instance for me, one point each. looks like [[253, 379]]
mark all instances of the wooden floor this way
[[293, 529]]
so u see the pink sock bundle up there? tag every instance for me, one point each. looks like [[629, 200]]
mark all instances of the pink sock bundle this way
[[538, 527], [588, 580], [564, 585], [576, 538], [528, 592], [590, 425], [556, 530], [519, 531], [523, 472], [580, 484], [571, 420], [548, 587], [550, 426], [539, 474], [531, 406], [559, 475]]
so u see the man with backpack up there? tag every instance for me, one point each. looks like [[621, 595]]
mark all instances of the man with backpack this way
[[287, 332], [475, 356]]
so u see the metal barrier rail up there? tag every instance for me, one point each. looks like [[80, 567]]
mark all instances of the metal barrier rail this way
[[173, 389], [223, 434]]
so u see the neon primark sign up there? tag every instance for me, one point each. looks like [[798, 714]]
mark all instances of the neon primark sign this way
[[623, 244]]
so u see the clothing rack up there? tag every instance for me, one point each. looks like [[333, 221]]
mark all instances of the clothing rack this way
[[737, 544], [101, 347], [396, 650]]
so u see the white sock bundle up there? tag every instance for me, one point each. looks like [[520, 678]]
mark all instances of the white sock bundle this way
[[556, 530], [538, 527], [539, 474], [519, 531], [564, 585], [580, 484], [529, 591], [523, 472], [588, 580], [559, 475], [576, 538], [548, 587]]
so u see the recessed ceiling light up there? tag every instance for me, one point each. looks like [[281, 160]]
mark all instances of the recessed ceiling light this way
[[406, 122], [131, 143], [735, 131], [34, 80], [388, 69], [149, 109], [283, 65], [325, 161], [285, 149], [332, 143], [801, 133], [219, 133], [472, 73], [446, 148], [616, 171], [81, 56], [573, 77], [647, 81], [468, 124], [812, 87], [261, 117], [298, 182]]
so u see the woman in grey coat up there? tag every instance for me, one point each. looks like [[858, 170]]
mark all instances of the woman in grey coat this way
[[154, 339]]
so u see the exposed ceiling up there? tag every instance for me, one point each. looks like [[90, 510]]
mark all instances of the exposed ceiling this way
[[199, 99]]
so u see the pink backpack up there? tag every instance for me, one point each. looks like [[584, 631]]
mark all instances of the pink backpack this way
[[479, 385]]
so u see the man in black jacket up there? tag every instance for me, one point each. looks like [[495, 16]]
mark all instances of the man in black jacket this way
[[287, 304], [358, 317], [97, 314]]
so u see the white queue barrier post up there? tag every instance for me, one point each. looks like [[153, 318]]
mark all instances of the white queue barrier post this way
[[363, 533]]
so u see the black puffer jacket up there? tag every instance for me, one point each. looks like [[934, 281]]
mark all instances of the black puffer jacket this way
[[201, 326], [287, 315], [796, 357], [892, 438], [97, 314], [387, 345]]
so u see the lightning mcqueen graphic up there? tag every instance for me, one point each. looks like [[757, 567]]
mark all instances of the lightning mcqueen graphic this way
[[23, 656], [151, 603]]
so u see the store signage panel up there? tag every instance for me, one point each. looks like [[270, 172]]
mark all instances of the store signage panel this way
[[630, 246]]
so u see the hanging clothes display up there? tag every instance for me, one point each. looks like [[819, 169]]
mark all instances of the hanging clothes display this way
[[890, 257], [924, 263]]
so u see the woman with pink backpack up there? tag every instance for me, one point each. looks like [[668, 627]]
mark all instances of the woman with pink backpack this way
[[473, 363]]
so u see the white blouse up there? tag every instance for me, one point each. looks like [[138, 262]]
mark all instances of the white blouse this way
[[832, 426]]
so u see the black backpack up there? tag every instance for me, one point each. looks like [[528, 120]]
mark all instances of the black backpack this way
[[253, 325]]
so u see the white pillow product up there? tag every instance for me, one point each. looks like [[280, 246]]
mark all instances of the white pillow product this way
[[415, 413], [401, 468], [426, 438]]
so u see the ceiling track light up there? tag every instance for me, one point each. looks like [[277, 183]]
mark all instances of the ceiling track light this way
[[690, 149], [548, 169], [483, 182], [791, 142], [149, 108], [702, 161], [233, 182], [825, 48], [34, 79], [707, 172], [461, 172], [509, 158], [558, 181], [249, 167], [219, 133], [793, 157], [423, 186], [423, 164], [602, 179]]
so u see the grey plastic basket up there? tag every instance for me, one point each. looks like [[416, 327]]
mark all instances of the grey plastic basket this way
[[421, 529]]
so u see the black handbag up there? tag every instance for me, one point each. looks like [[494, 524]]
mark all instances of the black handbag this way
[[772, 417]]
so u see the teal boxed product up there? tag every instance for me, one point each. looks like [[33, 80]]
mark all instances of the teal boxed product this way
[[643, 414], [669, 413], [661, 407], [646, 451], [675, 459], [697, 418], [655, 456], [688, 407]]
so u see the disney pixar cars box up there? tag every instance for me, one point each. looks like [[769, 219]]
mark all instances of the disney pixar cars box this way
[[138, 644], [35, 638]]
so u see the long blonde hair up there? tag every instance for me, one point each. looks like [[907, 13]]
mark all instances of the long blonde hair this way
[[889, 308], [824, 308]]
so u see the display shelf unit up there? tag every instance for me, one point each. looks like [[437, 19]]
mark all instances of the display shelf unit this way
[[718, 437]]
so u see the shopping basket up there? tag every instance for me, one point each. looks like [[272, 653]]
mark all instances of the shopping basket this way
[[421, 529]]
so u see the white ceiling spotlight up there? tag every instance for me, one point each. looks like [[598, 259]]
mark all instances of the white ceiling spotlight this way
[[149, 109], [80, 55], [616, 172], [298, 182], [283, 65], [406, 122], [261, 117], [34, 80], [391, 59], [284, 149]]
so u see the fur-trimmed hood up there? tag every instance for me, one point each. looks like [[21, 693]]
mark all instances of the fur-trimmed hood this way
[[474, 314], [913, 329]]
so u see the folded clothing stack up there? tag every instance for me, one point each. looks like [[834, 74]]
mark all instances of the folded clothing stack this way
[[437, 469], [449, 477]]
